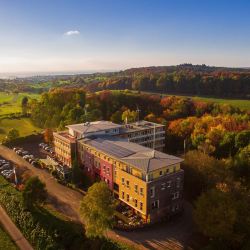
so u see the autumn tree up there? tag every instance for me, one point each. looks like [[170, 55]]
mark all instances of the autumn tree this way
[[97, 210], [48, 135]]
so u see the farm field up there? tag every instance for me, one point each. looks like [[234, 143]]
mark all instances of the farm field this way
[[11, 102], [5, 241], [242, 104], [23, 125]]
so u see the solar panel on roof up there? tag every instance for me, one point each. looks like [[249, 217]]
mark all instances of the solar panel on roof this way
[[111, 148]]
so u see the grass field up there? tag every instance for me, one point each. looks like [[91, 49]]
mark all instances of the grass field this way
[[11, 102], [240, 103], [23, 125], [5, 241]]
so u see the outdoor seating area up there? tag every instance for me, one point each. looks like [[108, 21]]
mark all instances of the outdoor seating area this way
[[127, 218]]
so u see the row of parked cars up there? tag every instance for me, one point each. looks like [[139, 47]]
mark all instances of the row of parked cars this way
[[47, 148], [6, 169], [26, 156]]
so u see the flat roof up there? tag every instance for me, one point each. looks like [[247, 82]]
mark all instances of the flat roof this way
[[90, 127], [143, 158], [140, 125], [65, 135]]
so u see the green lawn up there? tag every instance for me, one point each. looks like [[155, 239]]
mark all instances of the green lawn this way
[[11, 102], [5, 241], [240, 103], [23, 125]]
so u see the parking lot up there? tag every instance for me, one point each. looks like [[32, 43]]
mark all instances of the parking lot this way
[[7, 169]]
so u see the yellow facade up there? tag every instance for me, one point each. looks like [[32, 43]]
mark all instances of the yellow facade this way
[[131, 181], [132, 190]]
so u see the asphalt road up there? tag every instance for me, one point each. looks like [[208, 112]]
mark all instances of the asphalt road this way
[[172, 235], [13, 231]]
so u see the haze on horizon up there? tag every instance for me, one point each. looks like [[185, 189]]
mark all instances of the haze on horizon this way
[[108, 35]]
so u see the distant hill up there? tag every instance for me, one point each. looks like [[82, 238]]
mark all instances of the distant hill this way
[[183, 79]]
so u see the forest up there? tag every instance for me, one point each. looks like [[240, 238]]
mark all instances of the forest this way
[[184, 79]]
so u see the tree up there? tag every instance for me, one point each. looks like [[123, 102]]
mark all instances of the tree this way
[[25, 104], [223, 214], [12, 134], [242, 139], [34, 192], [97, 210], [215, 214], [129, 116], [116, 117], [48, 135], [202, 172]]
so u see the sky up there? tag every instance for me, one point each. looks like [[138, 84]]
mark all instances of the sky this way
[[107, 35]]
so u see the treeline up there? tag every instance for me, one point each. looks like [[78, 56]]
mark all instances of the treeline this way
[[219, 84], [215, 129]]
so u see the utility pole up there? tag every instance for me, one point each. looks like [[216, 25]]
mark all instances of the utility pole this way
[[138, 113]]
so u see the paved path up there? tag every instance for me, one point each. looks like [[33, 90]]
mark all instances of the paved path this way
[[13, 231], [171, 235]]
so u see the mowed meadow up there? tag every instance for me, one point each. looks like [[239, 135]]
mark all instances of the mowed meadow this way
[[10, 114]]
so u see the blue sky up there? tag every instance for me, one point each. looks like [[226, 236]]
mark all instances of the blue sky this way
[[92, 35]]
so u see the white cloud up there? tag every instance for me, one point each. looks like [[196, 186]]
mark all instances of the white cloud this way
[[72, 32]]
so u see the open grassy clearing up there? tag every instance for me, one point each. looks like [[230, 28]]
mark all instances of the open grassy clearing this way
[[239, 103], [23, 125], [242, 104], [6, 242], [11, 102]]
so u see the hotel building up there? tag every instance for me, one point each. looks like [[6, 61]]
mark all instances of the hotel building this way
[[149, 181], [148, 134], [144, 133]]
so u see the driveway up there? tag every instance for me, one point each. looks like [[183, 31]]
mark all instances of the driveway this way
[[171, 235]]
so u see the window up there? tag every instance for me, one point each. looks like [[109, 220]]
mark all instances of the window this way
[[127, 197], [135, 202], [136, 188], [167, 170], [168, 184], [150, 177], [161, 173], [123, 195], [127, 184], [175, 208], [175, 195], [141, 191], [163, 186], [174, 168], [152, 192], [178, 182], [155, 204], [141, 205]]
